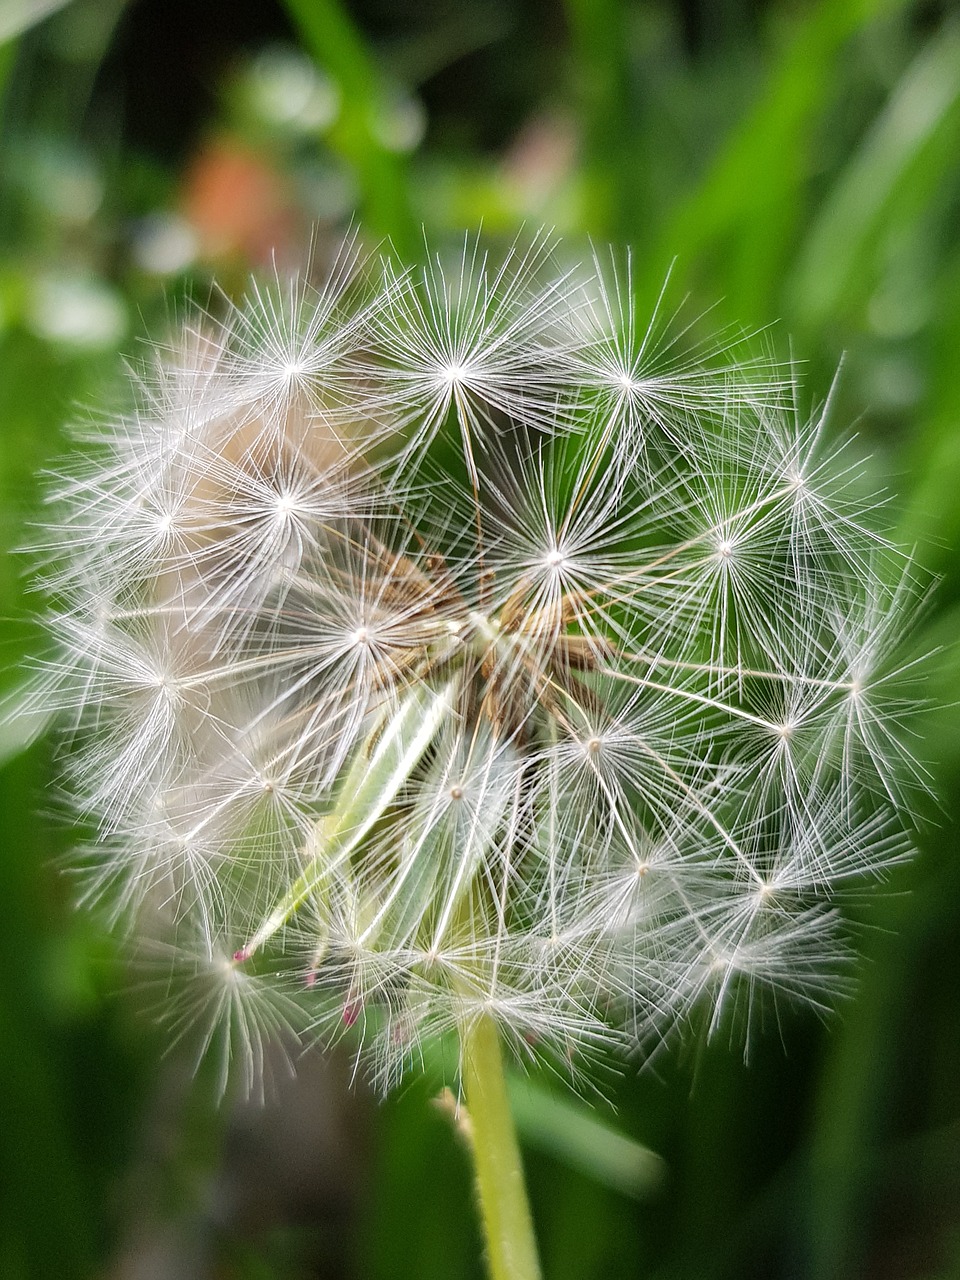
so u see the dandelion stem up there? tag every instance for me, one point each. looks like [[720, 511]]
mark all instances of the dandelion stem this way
[[501, 1191]]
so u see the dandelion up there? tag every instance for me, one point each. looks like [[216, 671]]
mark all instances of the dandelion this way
[[455, 650]]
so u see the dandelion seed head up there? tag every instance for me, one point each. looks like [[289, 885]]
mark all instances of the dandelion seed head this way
[[456, 643]]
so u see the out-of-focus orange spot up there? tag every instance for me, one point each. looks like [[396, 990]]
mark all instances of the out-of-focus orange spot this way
[[238, 204], [541, 157]]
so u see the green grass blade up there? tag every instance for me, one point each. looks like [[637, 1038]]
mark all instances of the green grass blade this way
[[369, 788], [566, 1129], [925, 103], [745, 212], [614, 176], [330, 36]]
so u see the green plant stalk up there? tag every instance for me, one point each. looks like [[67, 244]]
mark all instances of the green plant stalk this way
[[501, 1191], [330, 35]]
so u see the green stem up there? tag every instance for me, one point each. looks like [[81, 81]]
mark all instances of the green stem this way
[[507, 1226]]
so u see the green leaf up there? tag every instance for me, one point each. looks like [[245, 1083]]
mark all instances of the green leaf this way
[[747, 206], [924, 104], [18, 16], [566, 1129]]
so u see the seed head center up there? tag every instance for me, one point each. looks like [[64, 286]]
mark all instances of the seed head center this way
[[454, 372]]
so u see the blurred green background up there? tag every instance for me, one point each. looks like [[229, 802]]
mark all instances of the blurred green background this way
[[799, 163]]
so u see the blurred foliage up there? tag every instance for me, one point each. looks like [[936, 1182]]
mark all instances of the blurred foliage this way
[[795, 161]]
